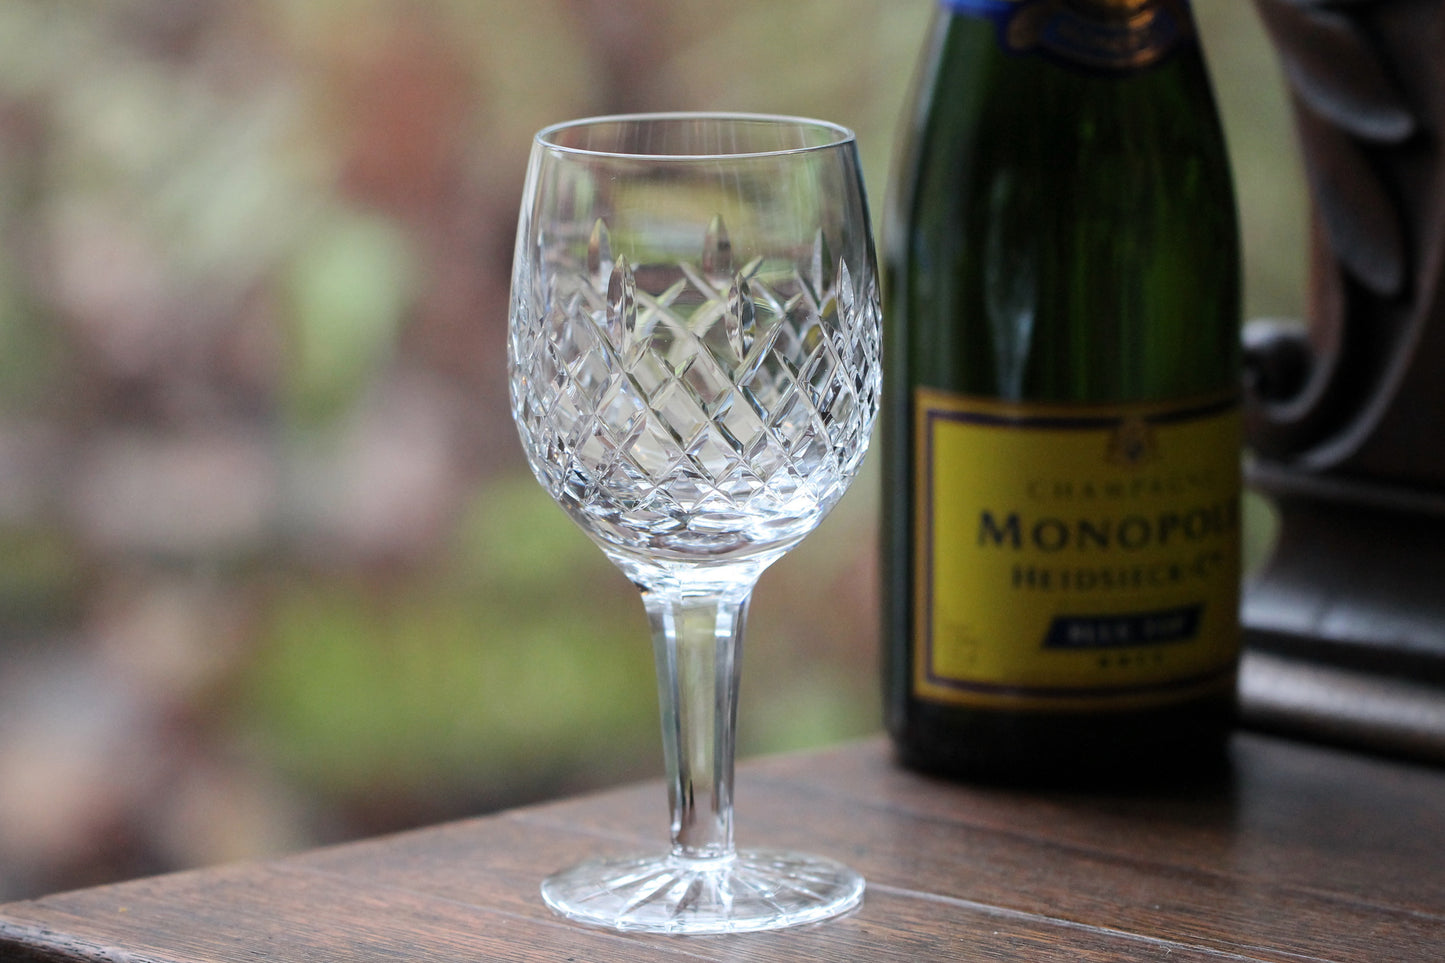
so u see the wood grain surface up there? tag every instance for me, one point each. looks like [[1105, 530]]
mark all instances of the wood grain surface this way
[[1301, 854]]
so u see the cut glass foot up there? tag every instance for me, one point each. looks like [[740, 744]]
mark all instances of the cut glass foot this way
[[666, 894]]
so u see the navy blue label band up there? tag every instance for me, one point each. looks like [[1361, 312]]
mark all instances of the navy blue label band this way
[[985, 8], [1080, 40]]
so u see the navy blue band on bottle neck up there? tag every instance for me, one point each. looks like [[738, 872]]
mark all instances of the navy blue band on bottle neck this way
[[997, 9], [978, 6], [1072, 37]]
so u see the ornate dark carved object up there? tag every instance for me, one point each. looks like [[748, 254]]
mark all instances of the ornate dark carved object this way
[[1346, 413]]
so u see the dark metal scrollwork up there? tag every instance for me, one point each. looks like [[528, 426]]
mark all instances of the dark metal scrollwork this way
[[1361, 393]]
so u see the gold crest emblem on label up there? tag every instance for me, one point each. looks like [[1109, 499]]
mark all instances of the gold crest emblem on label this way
[[1132, 444]]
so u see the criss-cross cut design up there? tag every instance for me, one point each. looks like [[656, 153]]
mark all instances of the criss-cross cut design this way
[[693, 407]]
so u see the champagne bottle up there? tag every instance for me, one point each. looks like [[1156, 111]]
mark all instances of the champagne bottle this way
[[1061, 421]]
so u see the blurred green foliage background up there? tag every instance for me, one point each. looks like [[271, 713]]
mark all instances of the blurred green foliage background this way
[[272, 571]]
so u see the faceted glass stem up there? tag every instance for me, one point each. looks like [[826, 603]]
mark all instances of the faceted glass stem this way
[[697, 642]]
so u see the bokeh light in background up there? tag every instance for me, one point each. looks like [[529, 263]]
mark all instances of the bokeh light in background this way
[[272, 571]]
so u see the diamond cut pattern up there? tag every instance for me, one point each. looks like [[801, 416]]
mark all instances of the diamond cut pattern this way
[[736, 404]]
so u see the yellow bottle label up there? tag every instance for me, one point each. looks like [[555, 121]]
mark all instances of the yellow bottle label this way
[[1075, 556]]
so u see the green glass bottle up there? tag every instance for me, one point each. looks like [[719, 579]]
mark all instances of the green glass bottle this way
[[1061, 422]]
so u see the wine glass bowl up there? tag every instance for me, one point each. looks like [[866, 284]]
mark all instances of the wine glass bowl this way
[[682, 399], [694, 360]]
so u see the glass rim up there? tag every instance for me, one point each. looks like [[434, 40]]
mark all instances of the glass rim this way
[[840, 136]]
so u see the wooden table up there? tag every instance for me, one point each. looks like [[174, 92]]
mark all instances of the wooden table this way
[[1305, 854]]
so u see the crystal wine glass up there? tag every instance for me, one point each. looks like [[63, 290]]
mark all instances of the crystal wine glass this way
[[694, 361]]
